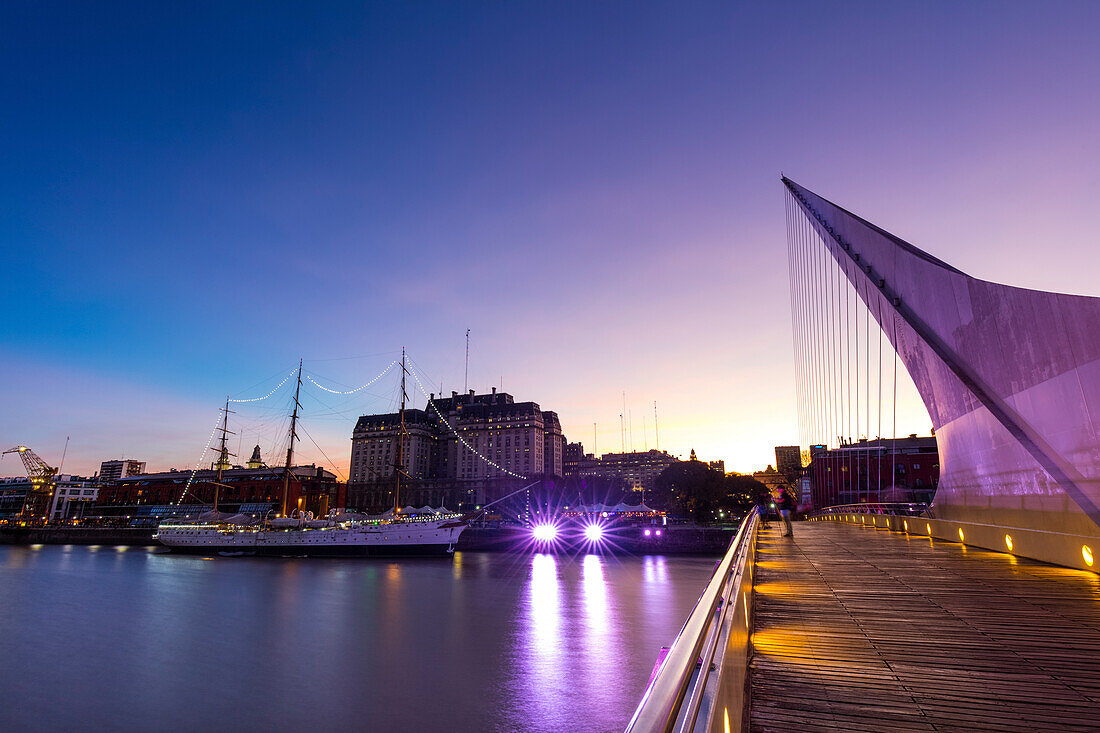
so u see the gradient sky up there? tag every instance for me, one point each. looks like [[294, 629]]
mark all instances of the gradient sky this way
[[196, 195]]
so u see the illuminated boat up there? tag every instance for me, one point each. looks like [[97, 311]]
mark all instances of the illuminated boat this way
[[333, 537], [394, 534]]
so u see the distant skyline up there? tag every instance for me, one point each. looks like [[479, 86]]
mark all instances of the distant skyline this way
[[197, 196]]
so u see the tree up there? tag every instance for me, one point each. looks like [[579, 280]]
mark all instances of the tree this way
[[690, 488], [743, 493], [693, 489]]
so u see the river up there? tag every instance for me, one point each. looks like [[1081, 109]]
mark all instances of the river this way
[[133, 639]]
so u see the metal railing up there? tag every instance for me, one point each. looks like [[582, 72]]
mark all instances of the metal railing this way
[[689, 678], [901, 509]]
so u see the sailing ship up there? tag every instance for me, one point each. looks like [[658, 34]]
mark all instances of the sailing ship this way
[[300, 534]]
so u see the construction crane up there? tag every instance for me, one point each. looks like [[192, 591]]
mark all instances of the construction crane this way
[[42, 475]]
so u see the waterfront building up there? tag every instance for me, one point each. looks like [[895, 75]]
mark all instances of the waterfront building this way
[[777, 483], [71, 496], [520, 438], [880, 470], [255, 491], [788, 460], [114, 470], [256, 461], [574, 454], [638, 470], [789, 463]]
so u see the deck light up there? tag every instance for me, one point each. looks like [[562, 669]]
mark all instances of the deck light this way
[[1008, 542], [962, 537], [545, 532], [593, 533], [648, 532], [1086, 553]]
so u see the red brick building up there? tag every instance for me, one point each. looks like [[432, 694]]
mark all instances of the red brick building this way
[[871, 471], [245, 490]]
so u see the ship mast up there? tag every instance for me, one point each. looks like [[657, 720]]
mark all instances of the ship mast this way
[[400, 463], [223, 454], [293, 435]]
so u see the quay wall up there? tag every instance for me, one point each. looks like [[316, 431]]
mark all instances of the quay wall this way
[[626, 540], [76, 536], [630, 540]]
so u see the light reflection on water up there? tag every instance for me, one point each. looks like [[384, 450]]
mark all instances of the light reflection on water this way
[[544, 610], [140, 640]]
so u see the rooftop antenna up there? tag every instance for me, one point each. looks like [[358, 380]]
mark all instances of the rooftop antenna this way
[[656, 434], [466, 379], [595, 452], [630, 425], [645, 434], [622, 424]]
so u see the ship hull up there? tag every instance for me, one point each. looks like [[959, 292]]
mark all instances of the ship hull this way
[[396, 540], [440, 550]]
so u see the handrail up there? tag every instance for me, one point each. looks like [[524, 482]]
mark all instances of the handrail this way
[[908, 509], [662, 704]]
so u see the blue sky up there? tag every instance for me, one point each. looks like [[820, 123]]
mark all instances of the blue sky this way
[[195, 196]]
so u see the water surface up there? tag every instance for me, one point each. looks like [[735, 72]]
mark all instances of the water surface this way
[[136, 640]]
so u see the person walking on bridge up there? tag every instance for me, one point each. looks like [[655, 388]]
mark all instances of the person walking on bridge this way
[[786, 506]]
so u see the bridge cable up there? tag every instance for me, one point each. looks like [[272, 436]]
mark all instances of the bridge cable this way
[[867, 376], [791, 279], [894, 405], [878, 317], [804, 327], [821, 286], [848, 356], [838, 340], [807, 398], [813, 316]]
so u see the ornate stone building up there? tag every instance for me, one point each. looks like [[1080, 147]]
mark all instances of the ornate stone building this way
[[462, 450]]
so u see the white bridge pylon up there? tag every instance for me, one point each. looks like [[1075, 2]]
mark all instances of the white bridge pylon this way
[[1010, 376]]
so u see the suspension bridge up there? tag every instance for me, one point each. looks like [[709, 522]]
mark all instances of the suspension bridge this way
[[979, 610]]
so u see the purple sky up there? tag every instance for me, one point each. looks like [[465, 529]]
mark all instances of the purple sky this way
[[196, 196]]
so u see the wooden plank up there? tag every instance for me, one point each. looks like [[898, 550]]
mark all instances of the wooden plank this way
[[862, 629]]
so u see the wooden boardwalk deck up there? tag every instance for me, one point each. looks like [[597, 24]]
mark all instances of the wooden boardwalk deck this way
[[865, 630]]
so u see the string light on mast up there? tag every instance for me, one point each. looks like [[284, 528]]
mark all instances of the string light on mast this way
[[357, 389], [187, 486], [257, 399], [469, 447]]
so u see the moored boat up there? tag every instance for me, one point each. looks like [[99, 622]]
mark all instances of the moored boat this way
[[300, 534], [370, 537]]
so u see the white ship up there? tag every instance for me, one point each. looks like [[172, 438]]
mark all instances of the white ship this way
[[393, 534], [335, 537]]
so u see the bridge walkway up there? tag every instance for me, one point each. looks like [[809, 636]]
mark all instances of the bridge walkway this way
[[865, 630]]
